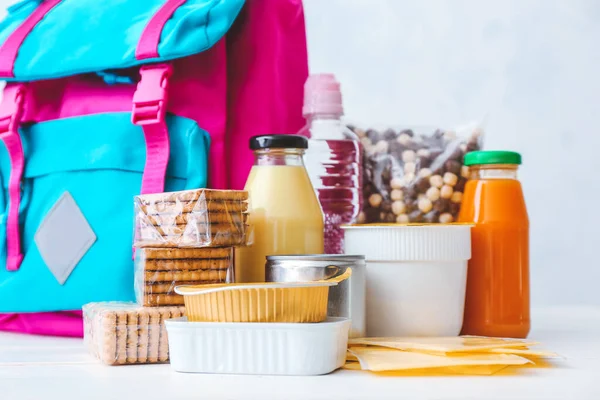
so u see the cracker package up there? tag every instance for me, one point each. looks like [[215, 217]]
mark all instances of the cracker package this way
[[125, 333], [159, 270], [192, 219]]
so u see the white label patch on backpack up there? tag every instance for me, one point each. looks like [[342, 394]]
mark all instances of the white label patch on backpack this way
[[63, 238]]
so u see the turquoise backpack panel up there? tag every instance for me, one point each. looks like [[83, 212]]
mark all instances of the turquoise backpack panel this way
[[16, 15], [108, 33], [99, 160]]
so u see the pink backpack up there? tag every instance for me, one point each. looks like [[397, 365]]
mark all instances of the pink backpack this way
[[249, 82]]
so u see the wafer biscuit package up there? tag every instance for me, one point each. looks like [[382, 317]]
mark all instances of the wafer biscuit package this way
[[125, 333], [159, 270], [192, 219]]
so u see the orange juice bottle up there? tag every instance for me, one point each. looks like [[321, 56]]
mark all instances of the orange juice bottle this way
[[497, 299], [285, 214]]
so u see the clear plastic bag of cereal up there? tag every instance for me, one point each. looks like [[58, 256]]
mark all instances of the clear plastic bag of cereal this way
[[413, 175]]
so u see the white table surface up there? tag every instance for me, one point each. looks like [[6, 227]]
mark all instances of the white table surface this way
[[33, 367]]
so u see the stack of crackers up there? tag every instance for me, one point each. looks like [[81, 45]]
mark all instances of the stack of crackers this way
[[125, 333], [159, 270], [192, 219], [181, 238], [187, 238]]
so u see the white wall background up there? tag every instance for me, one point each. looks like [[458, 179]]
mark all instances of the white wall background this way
[[531, 66]]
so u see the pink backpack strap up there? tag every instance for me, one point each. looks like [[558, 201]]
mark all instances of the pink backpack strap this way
[[148, 44], [10, 48], [150, 100], [11, 112], [149, 110]]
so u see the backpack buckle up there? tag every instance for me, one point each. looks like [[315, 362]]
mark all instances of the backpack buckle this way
[[11, 109], [150, 97]]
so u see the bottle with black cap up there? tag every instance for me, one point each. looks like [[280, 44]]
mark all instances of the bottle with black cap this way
[[285, 215]]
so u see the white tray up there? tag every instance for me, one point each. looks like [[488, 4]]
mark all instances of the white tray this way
[[258, 348]]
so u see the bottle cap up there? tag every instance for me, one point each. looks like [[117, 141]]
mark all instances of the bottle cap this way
[[322, 95], [492, 157], [278, 142]]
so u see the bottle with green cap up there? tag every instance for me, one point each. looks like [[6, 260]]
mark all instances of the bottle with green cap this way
[[497, 299]]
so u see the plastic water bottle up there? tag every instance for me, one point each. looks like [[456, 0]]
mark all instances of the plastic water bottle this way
[[333, 158]]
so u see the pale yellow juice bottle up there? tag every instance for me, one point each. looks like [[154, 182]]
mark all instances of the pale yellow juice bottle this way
[[285, 215]]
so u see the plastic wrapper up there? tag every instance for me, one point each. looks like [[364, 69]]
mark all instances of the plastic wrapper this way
[[159, 270], [412, 175], [125, 333], [192, 218]]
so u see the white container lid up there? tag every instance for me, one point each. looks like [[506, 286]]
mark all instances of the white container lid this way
[[409, 242]]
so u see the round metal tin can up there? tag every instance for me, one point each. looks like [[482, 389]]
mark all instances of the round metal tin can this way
[[346, 300]]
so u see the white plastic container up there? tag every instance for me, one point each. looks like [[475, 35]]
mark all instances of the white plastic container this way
[[258, 348], [416, 277]]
